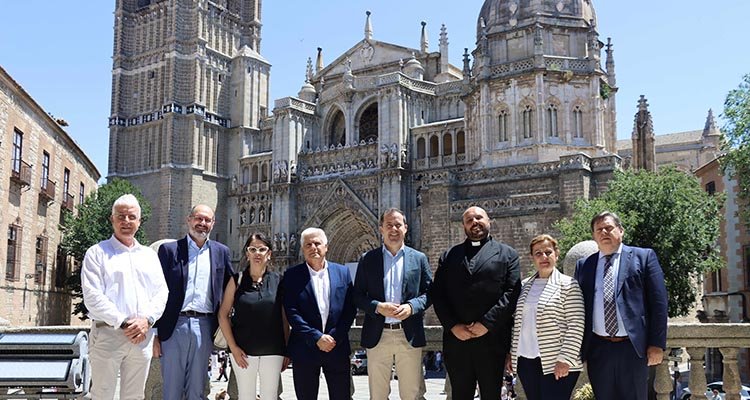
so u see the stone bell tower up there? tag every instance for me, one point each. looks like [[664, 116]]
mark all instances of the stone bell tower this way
[[189, 88]]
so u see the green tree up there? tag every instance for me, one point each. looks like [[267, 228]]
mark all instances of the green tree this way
[[667, 211], [736, 141], [90, 225]]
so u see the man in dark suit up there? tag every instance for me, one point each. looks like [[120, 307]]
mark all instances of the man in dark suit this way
[[476, 287], [626, 312], [319, 306], [391, 288], [197, 271]]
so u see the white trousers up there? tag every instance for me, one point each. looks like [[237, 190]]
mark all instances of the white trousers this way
[[110, 353], [267, 369]]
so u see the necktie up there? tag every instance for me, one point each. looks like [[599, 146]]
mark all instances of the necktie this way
[[610, 307]]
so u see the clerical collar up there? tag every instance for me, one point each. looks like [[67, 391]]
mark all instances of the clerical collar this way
[[479, 243]]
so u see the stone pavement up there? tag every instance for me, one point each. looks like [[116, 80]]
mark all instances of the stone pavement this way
[[434, 384]]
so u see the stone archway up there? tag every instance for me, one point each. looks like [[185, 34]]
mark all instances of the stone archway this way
[[349, 236], [351, 227]]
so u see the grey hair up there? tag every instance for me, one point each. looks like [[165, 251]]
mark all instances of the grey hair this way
[[127, 200], [313, 232]]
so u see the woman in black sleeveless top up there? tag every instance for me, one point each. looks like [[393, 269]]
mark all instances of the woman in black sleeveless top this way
[[257, 331]]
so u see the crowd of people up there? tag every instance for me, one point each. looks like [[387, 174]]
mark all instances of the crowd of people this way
[[612, 314]]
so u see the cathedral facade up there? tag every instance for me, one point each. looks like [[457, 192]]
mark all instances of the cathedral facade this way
[[524, 128]]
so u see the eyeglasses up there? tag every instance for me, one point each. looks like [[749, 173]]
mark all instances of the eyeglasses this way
[[259, 250]]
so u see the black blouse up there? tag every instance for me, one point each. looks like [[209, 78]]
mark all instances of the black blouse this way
[[257, 323]]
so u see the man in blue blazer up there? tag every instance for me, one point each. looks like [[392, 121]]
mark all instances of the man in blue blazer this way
[[391, 288], [318, 304], [197, 271], [626, 312]]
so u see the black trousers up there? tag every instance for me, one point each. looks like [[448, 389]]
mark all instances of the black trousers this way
[[615, 371], [474, 361], [306, 377], [540, 386]]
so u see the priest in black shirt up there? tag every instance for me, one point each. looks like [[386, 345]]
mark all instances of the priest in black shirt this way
[[476, 287]]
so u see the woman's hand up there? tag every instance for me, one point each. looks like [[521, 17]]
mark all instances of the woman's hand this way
[[285, 363], [509, 363], [239, 356], [561, 370]]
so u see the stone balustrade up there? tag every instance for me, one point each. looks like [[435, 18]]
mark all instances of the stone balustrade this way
[[695, 338]]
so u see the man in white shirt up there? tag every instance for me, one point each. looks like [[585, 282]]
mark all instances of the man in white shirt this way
[[319, 306], [125, 292]]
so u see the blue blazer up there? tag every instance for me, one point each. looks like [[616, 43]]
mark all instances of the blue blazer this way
[[369, 291], [301, 309], [174, 264], [641, 297]]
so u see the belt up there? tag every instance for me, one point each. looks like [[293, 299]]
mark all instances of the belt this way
[[191, 313], [392, 326], [613, 339], [100, 324]]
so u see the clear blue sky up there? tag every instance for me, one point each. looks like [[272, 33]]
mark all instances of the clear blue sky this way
[[683, 55]]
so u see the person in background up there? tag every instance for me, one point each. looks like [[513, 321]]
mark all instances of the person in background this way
[[548, 328], [258, 331]]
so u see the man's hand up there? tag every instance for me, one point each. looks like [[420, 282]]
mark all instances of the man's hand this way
[[403, 311], [462, 332], [387, 309], [136, 329], [156, 353], [326, 343], [477, 329], [655, 355], [561, 370]]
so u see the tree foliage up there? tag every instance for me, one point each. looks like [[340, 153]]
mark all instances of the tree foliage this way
[[90, 225], [736, 140], [667, 211]]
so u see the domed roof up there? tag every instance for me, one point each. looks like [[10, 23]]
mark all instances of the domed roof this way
[[505, 15]]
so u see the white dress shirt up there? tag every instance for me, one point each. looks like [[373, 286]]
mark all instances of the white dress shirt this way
[[393, 277], [120, 282], [321, 284], [598, 317], [198, 288]]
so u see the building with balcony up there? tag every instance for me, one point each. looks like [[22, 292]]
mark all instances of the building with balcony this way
[[43, 174]]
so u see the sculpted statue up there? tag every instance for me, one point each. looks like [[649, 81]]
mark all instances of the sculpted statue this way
[[282, 243]]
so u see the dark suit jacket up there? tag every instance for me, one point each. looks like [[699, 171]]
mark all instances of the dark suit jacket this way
[[369, 291], [484, 290], [641, 297], [304, 318], [174, 263]]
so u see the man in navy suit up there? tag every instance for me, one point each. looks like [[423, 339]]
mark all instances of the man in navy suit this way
[[391, 288], [318, 304], [626, 313], [197, 271]]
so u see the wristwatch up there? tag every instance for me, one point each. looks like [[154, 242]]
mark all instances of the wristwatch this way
[[150, 321]]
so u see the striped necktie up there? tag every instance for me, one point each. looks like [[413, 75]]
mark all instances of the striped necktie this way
[[610, 306]]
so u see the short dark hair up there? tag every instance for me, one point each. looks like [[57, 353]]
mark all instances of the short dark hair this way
[[257, 236], [392, 210], [605, 214]]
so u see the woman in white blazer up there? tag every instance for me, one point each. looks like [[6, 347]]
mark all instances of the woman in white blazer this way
[[548, 327]]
